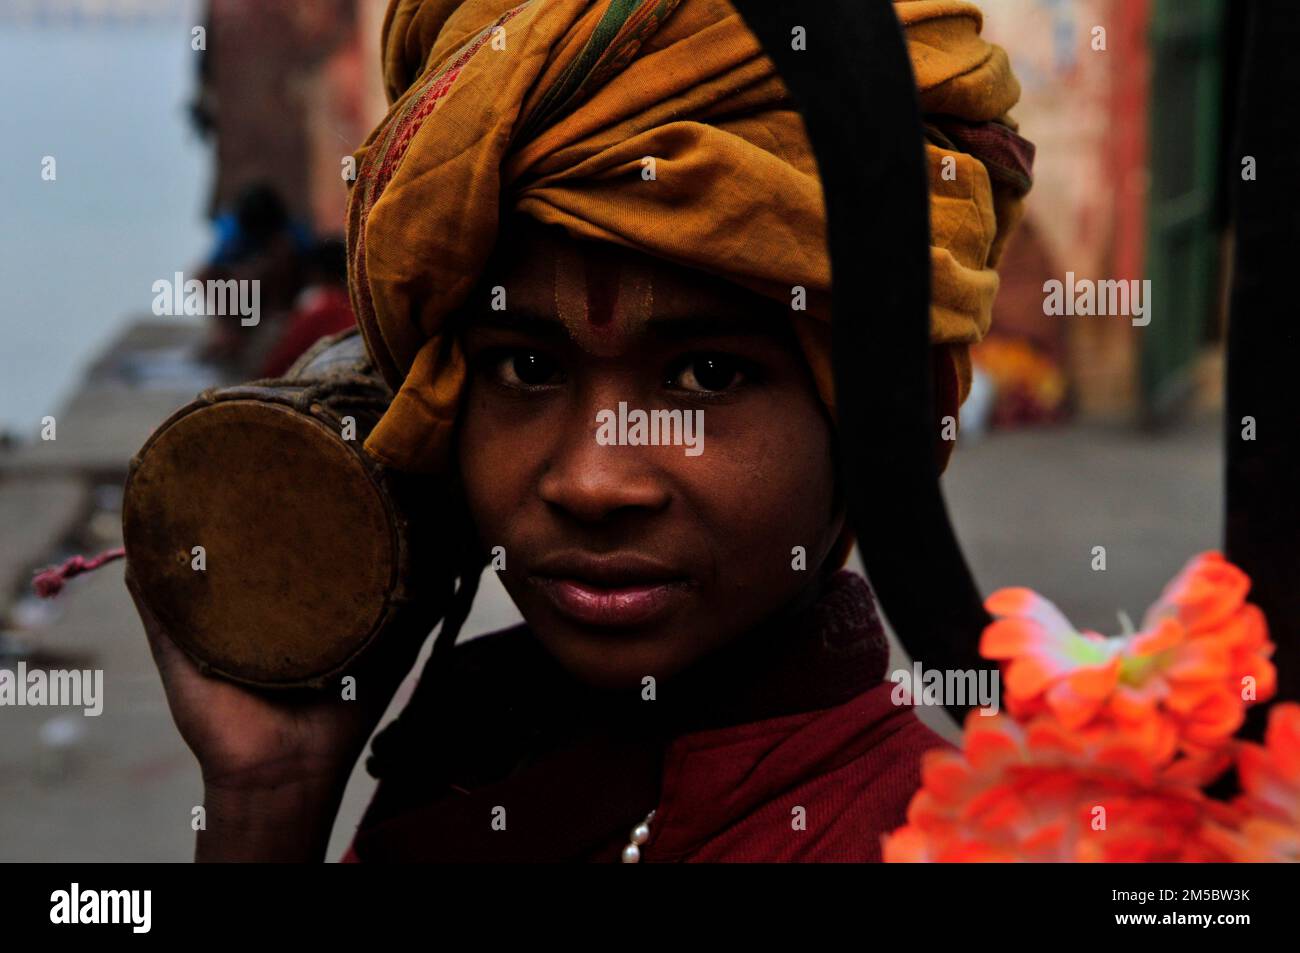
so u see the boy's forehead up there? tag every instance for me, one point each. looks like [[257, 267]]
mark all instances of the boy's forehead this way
[[605, 294]]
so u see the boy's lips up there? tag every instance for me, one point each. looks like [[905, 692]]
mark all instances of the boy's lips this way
[[609, 590]]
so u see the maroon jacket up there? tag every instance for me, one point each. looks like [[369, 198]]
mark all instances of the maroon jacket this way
[[786, 747]]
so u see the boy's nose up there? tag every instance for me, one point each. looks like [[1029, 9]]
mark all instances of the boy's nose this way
[[591, 481]]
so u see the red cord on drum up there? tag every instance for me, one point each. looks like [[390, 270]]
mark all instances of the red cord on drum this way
[[48, 582]]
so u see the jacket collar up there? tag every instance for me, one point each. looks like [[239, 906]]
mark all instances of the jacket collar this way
[[753, 719]]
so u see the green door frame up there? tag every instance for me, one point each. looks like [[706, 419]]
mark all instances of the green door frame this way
[[1182, 241]]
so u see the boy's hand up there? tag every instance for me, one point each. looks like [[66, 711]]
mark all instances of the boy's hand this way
[[265, 754]]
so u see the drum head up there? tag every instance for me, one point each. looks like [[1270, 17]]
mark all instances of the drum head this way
[[300, 552]]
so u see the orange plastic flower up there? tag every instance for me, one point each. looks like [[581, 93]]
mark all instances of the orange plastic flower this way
[[1180, 684], [1041, 792], [1111, 739], [1268, 828]]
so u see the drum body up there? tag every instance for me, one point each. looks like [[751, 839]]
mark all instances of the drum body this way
[[272, 549]]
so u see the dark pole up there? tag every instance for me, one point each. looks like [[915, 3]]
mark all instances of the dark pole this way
[[857, 94], [1263, 474]]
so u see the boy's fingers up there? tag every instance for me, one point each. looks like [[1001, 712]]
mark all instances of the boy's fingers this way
[[164, 651]]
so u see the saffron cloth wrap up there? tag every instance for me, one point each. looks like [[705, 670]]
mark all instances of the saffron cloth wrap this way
[[548, 107]]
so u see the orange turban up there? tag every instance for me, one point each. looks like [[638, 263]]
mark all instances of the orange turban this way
[[549, 107]]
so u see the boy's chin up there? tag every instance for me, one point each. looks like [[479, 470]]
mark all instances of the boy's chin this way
[[617, 662]]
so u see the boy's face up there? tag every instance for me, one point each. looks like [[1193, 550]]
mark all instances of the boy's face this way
[[630, 559]]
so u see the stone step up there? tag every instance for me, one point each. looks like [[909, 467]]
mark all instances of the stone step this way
[[145, 374], [35, 516]]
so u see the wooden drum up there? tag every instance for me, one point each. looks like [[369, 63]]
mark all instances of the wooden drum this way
[[270, 546]]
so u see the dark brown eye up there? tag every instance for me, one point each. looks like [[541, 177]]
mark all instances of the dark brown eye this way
[[708, 373], [525, 369]]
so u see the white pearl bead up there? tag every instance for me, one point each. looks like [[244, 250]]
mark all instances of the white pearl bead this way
[[631, 854], [640, 834]]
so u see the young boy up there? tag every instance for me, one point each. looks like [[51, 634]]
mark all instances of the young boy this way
[[588, 252], [689, 647]]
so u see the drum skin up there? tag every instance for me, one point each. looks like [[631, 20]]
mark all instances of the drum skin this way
[[273, 550]]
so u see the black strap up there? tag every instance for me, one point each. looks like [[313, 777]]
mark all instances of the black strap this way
[[857, 94], [1263, 474]]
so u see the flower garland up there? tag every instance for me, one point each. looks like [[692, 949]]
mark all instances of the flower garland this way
[[1108, 743]]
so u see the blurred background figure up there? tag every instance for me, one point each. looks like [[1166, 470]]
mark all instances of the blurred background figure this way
[[283, 98], [322, 307], [256, 241]]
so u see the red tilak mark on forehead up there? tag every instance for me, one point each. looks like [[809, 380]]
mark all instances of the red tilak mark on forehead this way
[[602, 290]]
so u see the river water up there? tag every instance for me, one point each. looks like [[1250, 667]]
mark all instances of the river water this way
[[78, 255]]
